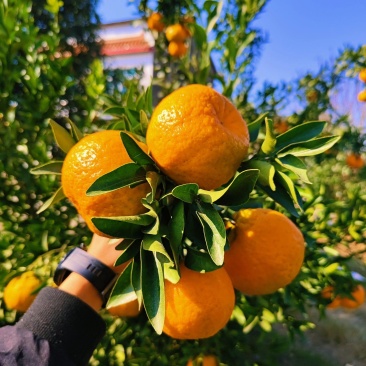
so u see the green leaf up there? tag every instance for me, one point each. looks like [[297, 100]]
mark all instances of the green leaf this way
[[63, 139], [152, 285], [136, 279], [153, 178], [176, 230], [199, 261], [300, 133], [52, 167], [255, 126], [310, 148], [153, 243], [76, 133], [266, 172], [56, 197], [281, 196], [144, 121], [295, 165], [135, 152], [239, 190], [121, 177], [288, 184], [117, 228], [129, 252], [270, 141], [149, 100], [199, 35], [214, 231], [130, 100], [186, 192], [122, 291]]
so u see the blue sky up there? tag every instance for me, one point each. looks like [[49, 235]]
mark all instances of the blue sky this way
[[302, 34]]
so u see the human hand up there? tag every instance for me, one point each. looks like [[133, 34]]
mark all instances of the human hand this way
[[104, 249]]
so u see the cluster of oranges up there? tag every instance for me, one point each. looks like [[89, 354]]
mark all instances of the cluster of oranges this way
[[356, 300], [361, 97], [195, 135], [176, 34]]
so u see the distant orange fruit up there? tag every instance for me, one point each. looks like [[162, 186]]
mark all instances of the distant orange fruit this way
[[362, 75], [177, 49], [177, 32], [129, 309], [281, 126], [266, 251], [199, 305], [361, 96], [355, 161], [205, 360], [19, 292], [93, 156], [328, 293], [155, 22], [358, 298], [196, 135]]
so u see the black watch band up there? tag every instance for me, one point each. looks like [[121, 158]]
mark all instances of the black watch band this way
[[96, 272]]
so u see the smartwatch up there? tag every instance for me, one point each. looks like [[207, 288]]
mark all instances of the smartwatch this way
[[96, 272]]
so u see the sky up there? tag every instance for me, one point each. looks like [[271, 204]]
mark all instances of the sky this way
[[302, 34]]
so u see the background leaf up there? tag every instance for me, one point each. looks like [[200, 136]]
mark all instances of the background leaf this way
[[62, 137]]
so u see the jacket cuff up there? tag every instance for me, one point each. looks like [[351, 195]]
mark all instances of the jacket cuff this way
[[66, 322]]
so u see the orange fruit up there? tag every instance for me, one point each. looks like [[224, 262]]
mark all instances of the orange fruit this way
[[177, 49], [281, 126], [266, 251], [129, 309], [18, 293], [155, 22], [206, 360], [328, 293], [355, 161], [362, 75], [358, 299], [199, 305], [196, 135], [361, 96], [93, 156], [177, 32]]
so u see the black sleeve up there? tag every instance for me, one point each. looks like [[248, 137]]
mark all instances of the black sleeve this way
[[58, 327]]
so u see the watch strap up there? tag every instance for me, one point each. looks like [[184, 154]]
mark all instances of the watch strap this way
[[96, 272]]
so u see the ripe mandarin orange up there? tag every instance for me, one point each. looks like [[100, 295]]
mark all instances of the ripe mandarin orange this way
[[206, 360], [355, 161], [358, 298], [177, 32], [155, 22], [18, 293], [199, 305], [93, 156], [196, 135], [266, 251], [328, 293], [177, 49], [281, 126], [361, 96], [362, 75]]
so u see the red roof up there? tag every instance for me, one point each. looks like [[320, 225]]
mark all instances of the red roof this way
[[124, 46]]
